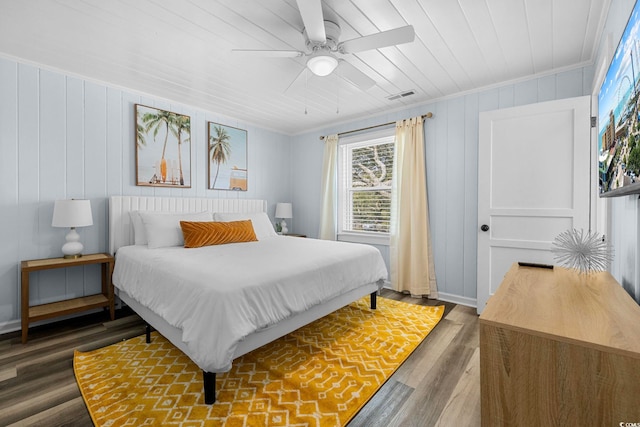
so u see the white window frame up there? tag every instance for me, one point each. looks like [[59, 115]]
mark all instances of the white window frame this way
[[381, 137]]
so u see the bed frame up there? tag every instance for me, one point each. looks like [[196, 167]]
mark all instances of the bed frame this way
[[121, 234]]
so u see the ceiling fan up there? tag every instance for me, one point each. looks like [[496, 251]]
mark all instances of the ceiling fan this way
[[323, 45]]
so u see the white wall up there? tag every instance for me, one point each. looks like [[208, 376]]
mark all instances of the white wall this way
[[623, 212], [452, 163], [65, 137]]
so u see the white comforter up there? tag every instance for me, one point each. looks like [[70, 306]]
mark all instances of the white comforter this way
[[217, 295]]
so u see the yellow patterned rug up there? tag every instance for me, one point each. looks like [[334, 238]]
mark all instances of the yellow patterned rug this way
[[319, 375]]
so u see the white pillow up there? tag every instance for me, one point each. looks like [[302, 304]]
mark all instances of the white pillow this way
[[139, 232], [261, 223], [163, 228]]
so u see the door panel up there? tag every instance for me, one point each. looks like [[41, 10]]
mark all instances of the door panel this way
[[533, 184]]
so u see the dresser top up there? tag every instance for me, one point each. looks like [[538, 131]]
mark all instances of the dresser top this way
[[589, 309]]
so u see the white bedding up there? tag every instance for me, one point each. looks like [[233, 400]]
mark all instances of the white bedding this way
[[217, 295]]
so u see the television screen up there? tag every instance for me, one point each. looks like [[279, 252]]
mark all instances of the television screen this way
[[619, 116]]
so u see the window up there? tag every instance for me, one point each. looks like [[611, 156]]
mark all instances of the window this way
[[365, 173]]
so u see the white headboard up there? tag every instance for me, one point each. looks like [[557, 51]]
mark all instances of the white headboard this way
[[121, 231]]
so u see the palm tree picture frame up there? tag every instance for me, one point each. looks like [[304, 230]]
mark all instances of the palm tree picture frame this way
[[163, 148], [227, 154]]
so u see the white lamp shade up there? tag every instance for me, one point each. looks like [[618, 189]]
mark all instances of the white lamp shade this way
[[322, 65], [72, 213], [284, 210]]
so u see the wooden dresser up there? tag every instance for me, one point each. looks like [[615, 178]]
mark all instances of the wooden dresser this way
[[559, 348]]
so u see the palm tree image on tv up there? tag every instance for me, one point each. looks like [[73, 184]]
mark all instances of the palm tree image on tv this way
[[227, 152], [163, 140]]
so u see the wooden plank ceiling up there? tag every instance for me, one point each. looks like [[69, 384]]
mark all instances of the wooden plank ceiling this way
[[181, 50]]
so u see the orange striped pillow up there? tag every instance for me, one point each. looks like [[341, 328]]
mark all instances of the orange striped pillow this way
[[198, 234]]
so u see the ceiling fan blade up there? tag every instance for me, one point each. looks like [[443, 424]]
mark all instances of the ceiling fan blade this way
[[375, 41], [300, 79], [354, 76], [268, 53], [313, 19]]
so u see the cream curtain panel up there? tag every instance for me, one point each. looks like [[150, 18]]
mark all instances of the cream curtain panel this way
[[328, 213], [411, 258]]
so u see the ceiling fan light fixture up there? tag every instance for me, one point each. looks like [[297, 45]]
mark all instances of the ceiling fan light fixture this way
[[322, 64]]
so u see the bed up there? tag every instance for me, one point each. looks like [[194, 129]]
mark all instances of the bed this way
[[216, 303]]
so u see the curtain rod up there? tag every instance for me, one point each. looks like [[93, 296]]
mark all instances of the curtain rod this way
[[322, 137]]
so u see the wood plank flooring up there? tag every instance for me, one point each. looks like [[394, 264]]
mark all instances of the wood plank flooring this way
[[438, 385]]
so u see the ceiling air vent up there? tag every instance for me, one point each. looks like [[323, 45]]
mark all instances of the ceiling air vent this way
[[400, 95]]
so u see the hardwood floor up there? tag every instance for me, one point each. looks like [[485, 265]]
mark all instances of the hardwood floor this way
[[438, 385]]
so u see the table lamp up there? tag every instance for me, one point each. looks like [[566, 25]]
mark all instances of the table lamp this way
[[72, 213], [284, 210]]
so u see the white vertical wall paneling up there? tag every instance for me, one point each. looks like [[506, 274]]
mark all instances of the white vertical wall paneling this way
[[441, 194], [258, 179], [115, 139], [506, 96], [431, 160], [63, 137], [455, 173], [625, 217], [546, 88], [74, 184], [470, 232], [526, 92], [451, 157], [199, 154], [28, 165], [95, 144], [588, 79], [9, 230], [489, 100], [306, 170], [75, 168], [95, 162], [570, 84], [52, 159], [129, 145]]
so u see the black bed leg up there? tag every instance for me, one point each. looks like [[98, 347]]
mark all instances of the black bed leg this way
[[209, 387], [374, 297], [147, 331]]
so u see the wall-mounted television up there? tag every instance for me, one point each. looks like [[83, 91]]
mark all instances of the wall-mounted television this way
[[619, 116]]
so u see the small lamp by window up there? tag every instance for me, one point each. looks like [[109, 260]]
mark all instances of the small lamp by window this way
[[284, 210], [72, 213]]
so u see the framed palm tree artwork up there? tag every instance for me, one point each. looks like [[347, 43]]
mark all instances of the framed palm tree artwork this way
[[163, 148], [227, 153]]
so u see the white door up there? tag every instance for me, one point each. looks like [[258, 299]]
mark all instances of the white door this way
[[533, 184]]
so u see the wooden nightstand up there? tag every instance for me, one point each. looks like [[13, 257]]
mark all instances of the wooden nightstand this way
[[68, 306], [295, 235]]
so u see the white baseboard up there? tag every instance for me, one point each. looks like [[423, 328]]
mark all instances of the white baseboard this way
[[443, 296], [16, 325], [457, 299], [11, 326]]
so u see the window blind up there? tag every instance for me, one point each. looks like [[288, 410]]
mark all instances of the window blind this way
[[366, 178]]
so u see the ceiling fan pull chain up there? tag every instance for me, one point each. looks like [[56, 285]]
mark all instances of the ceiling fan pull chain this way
[[337, 79], [306, 89]]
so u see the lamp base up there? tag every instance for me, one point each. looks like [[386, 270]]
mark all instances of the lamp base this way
[[72, 256], [283, 225], [73, 248]]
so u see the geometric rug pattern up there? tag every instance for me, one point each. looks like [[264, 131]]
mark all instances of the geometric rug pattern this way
[[319, 375]]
